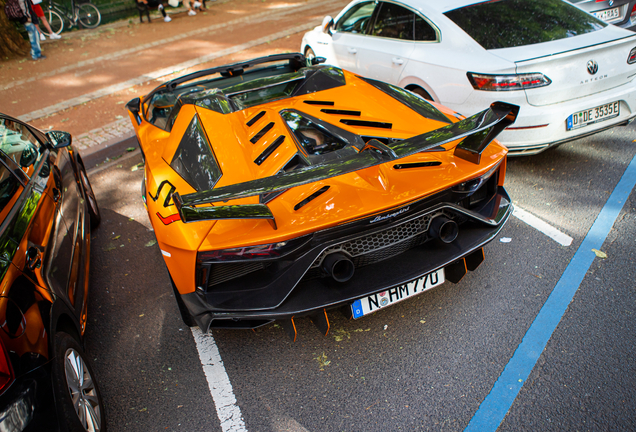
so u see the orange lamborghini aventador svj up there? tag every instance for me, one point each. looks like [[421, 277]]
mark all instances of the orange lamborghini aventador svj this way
[[281, 187]]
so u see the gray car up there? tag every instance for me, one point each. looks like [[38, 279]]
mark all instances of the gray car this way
[[621, 13]]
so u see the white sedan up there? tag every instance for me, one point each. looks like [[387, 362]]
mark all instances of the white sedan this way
[[571, 73]]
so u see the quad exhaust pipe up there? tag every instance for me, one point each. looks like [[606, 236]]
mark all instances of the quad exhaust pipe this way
[[338, 266], [444, 229]]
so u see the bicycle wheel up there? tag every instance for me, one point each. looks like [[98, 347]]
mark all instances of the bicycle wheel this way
[[55, 21], [89, 15]]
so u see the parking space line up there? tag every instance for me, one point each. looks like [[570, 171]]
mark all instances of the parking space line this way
[[547, 229], [219, 383], [497, 403]]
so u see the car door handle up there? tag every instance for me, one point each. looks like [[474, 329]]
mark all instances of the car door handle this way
[[56, 194], [397, 60], [33, 258], [352, 50]]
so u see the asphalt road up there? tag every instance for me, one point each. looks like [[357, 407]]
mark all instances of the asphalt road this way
[[423, 364]]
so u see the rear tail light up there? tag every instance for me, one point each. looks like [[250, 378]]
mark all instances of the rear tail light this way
[[470, 186], [507, 82], [632, 55], [6, 371], [259, 252], [633, 11]]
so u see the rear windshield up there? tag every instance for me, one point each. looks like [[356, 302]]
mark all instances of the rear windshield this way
[[511, 23]]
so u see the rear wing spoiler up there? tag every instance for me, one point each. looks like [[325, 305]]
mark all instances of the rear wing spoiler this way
[[478, 132]]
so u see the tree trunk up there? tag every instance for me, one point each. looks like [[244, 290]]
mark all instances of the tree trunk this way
[[12, 44]]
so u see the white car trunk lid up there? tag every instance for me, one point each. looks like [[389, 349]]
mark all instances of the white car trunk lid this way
[[577, 73]]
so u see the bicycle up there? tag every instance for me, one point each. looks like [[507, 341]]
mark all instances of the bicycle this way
[[86, 14]]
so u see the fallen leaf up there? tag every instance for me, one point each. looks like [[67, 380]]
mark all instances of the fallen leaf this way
[[141, 315], [120, 102], [131, 149], [599, 253], [131, 219], [116, 237], [109, 248], [119, 117], [151, 243], [322, 361]]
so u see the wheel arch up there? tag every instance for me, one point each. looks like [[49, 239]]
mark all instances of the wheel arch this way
[[410, 83]]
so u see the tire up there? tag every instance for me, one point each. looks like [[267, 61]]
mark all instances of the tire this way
[[89, 16], [55, 21], [78, 400], [421, 92], [93, 208], [183, 310]]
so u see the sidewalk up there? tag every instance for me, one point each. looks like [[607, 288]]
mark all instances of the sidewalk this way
[[85, 93]]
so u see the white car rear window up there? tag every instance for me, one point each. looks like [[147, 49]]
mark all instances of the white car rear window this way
[[511, 23]]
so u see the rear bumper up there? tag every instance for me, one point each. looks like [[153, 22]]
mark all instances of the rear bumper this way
[[306, 296], [538, 128]]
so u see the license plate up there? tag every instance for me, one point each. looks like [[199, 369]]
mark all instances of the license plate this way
[[374, 302], [593, 115], [607, 14]]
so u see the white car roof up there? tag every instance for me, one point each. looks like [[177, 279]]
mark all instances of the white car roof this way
[[440, 6]]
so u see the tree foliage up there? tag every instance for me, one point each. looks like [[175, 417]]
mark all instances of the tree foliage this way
[[12, 44]]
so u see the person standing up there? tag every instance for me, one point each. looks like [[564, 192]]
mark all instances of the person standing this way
[[30, 20], [40, 14]]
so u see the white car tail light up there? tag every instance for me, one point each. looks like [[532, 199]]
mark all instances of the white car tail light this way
[[632, 55], [507, 82]]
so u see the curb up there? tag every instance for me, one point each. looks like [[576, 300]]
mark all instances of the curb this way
[[96, 155]]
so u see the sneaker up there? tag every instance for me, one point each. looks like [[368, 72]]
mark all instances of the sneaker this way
[[197, 4], [167, 18], [55, 36], [42, 37], [191, 12]]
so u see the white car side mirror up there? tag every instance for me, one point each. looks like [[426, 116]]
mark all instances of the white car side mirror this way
[[327, 24]]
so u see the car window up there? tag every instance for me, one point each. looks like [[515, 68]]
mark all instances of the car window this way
[[423, 30], [522, 22], [356, 19], [394, 21], [10, 188], [17, 142]]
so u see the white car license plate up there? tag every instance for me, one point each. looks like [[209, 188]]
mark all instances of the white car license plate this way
[[374, 302], [608, 14], [593, 115]]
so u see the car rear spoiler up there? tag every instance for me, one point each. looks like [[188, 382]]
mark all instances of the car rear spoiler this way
[[478, 132]]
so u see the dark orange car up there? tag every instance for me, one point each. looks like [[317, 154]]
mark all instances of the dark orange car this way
[[47, 211], [280, 187]]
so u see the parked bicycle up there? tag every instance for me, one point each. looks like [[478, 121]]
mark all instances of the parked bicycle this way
[[85, 14]]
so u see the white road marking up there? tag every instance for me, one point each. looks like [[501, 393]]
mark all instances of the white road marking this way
[[547, 229], [219, 383]]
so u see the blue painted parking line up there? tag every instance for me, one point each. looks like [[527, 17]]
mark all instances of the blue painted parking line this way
[[495, 406]]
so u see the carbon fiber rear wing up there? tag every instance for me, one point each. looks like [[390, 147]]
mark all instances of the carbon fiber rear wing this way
[[478, 130]]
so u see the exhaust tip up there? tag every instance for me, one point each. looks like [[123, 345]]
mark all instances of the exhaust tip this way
[[339, 267], [444, 229]]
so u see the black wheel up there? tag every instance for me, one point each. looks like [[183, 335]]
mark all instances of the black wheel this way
[[421, 92], [93, 209], [183, 310], [55, 21], [89, 15], [79, 402]]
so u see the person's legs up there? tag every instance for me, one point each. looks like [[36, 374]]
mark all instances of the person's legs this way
[[190, 5], [34, 39]]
